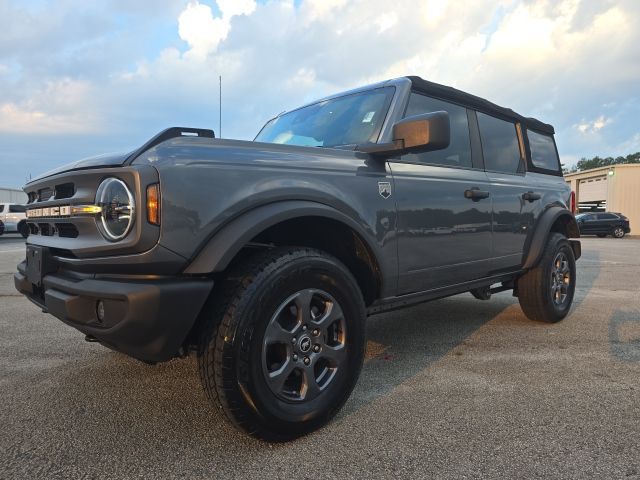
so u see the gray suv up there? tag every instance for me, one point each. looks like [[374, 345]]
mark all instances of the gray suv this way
[[265, 258]]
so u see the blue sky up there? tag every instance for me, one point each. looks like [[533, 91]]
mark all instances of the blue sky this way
[[84, 78]]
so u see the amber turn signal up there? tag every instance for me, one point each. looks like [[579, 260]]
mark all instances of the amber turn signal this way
[[153, 204]]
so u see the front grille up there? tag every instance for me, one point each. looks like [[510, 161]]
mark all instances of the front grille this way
[[64, 190], [45, 194], [67, 230], [46, 230], [54, 224], [57, 192]]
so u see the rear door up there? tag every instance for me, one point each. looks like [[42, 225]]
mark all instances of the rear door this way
[[14, 214], [607, 221], [515, 202], [444, 238]]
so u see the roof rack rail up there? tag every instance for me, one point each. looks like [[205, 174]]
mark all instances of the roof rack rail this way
[[167, 134]]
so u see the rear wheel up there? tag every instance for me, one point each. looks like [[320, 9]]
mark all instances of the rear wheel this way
[[284, 350], [546, 292], [618, 232]]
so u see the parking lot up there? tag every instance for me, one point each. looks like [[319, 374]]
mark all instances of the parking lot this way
[[453, 388]]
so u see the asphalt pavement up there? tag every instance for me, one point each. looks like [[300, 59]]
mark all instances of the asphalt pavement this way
[[457, 388]]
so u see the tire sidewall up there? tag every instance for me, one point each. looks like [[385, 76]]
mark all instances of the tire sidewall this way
[[557, 245], [305, 272]]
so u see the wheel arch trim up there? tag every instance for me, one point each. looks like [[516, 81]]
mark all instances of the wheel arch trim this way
[[535, 246], [218, 252]]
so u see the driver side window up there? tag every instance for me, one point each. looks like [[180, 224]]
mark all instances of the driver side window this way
[[458, 153]]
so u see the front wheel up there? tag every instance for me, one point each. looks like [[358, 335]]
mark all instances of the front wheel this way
[[546, 291], [618, 232], [23, 229], [284, 350]]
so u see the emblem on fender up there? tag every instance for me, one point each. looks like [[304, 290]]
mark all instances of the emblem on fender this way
[[384, 189]]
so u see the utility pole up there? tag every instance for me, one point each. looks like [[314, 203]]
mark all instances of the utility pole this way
[[220, 109]]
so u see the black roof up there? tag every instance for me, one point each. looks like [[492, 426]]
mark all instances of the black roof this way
[[478, 103]]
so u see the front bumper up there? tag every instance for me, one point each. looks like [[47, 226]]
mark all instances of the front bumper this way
[[146, 317]]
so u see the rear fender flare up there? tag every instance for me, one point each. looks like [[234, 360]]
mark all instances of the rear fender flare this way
[[535, 246]]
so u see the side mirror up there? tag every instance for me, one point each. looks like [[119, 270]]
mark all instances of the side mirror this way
[[420, 133]]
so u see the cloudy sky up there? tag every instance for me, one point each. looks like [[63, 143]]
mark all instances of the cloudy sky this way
[[83, 78]]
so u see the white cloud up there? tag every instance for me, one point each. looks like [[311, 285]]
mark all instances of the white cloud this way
[[202, 31], [565, 61], [321, 9], [593, 125], [386, 21], [59, 107]]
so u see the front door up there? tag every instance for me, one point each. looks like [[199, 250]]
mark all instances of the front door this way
[[443, 207]]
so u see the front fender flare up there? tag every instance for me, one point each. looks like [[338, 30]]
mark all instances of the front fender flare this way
[[534, 247], [218, 252]]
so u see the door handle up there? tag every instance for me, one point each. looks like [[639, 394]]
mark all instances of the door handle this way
[[531, 196], [475, 194]]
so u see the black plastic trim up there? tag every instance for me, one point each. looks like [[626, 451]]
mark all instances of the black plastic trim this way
[[396, 303], [168, 134], [218, 252], [535, 245], [148, 319]]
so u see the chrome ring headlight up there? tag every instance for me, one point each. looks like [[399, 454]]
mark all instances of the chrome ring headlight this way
[[118, 209]]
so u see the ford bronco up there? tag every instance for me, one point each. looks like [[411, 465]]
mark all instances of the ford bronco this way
[[265, 257]]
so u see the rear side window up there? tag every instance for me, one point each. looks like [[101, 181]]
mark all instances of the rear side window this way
[[500, 146], [543, 151], [1, 208], [607, 216], [458, 153], [17, 208]]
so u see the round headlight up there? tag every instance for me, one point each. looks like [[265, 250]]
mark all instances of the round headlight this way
[[118, 209]]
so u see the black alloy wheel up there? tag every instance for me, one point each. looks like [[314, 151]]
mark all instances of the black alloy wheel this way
[[546, 291], [283, 343], [304, 345]]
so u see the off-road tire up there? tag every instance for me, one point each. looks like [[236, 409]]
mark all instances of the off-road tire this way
[[535, 286], [230, 344], [23, 229]]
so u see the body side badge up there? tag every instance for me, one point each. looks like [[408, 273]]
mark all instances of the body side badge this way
[[384, 189]]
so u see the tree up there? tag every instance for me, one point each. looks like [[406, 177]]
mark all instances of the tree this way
[[595, 162]]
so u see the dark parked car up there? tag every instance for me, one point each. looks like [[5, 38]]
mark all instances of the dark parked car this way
[[264, 258], [603, 224]]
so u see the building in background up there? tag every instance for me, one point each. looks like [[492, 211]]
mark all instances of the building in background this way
[[12, 195], [609, 189]]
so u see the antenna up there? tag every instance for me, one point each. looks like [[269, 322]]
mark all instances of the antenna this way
[[220, 109]]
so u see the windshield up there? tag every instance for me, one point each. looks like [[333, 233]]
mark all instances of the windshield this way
[[347, 120]]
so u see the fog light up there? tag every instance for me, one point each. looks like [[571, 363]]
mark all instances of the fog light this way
[[100, 311]]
